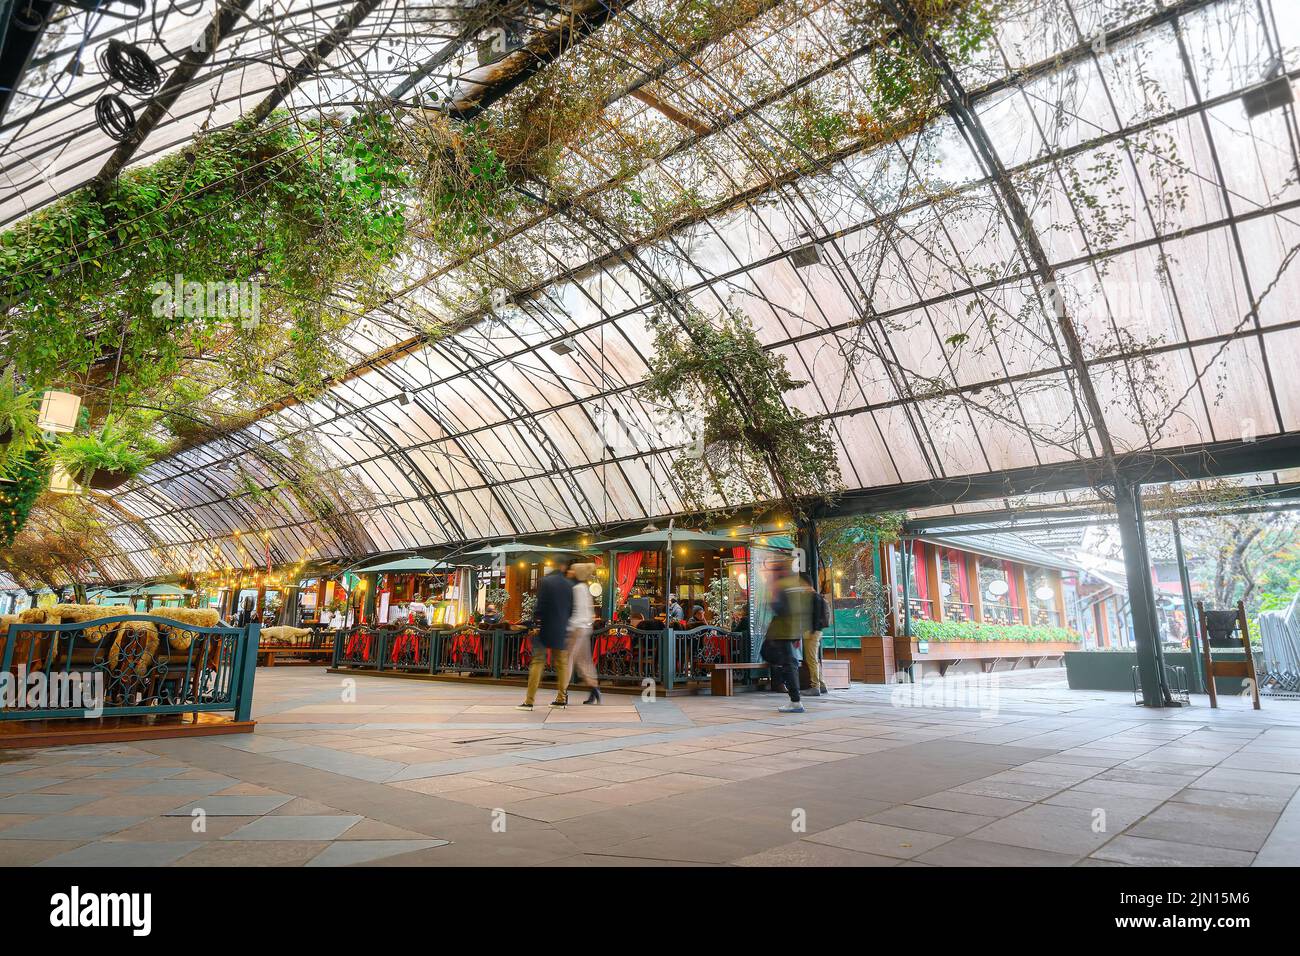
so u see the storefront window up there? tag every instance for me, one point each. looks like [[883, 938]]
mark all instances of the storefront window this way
[[999, 592], [1042, 597], [918, 590], [954, 587]]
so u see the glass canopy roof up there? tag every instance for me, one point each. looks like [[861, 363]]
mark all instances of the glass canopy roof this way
[[1160, 225]]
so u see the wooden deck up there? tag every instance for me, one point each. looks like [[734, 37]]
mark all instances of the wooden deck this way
[[75, 730]]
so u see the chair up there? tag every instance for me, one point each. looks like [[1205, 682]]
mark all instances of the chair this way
[[1226, 629]]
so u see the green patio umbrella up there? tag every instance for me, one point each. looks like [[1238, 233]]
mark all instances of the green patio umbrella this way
[[404, 566], [515, 551], [655, 540], [159, 590]]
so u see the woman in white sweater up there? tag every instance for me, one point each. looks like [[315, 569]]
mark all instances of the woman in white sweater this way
[[579, 636]]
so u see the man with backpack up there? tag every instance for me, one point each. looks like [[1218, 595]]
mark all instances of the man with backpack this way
[[812, 644]]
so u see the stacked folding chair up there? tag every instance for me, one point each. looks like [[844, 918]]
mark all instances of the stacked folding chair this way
[[1279, 632]]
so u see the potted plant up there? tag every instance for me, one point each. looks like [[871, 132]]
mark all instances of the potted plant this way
[[19, 433], [104, 460]]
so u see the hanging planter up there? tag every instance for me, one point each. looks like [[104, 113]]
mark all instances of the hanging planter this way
[[103, 480], [104, 461]]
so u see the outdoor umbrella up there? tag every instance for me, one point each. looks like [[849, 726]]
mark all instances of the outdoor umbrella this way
[[654, 540], [515, 551], [404, 566]]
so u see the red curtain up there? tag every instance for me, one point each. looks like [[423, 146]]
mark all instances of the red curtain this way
[[918, 571], [626, 568]]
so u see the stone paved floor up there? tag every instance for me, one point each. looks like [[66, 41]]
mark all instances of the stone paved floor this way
[[429, 774]]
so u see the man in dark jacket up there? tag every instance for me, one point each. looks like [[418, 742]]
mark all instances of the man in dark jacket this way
[[554, 607]]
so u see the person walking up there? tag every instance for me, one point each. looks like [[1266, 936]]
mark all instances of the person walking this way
[[580, 621], [791, 620], [554, 608], [812, 644]]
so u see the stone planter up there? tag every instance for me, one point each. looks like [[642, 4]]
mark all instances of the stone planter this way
[[1113, 670]]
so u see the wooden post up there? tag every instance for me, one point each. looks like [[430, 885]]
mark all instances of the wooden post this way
[[973, 588], [1205, 650], [1250, 657]]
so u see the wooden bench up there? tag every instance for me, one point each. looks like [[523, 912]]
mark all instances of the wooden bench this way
[[721, 679], [266, 655]]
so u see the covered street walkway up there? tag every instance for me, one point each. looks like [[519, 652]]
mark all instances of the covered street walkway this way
[[417, 774]]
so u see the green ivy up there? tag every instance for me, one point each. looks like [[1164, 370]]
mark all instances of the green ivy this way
[[754, 446], [939, 631], [302, 209]]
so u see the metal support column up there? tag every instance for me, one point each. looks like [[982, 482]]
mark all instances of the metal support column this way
[[1189, 610], [371, 599], [1142, 602]]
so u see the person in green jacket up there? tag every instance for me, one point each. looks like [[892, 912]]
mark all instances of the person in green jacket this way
[[792, 618]]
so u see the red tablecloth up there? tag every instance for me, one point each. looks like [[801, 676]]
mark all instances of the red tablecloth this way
[[467, 644], [359, 640], [611, 644], [406, 640]]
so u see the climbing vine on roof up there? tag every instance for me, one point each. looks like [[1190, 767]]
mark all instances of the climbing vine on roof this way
[[750, 445], [244, 240]]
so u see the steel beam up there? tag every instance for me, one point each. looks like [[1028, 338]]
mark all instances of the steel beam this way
[[1142, 599]]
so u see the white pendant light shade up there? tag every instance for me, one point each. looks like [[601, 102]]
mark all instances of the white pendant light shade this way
[[59, 411], [61, 482]]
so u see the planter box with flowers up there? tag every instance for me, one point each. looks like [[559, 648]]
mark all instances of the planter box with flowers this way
[[967, 640]]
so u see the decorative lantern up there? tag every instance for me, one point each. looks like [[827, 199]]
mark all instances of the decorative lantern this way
[[59, 411]]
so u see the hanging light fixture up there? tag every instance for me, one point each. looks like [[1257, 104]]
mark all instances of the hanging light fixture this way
[[61, 482]]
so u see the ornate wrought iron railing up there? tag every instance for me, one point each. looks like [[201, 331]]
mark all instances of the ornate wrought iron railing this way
[[128, 665], [698, 647], [621, 653], [467, 650], [627, 653], [360, 648]]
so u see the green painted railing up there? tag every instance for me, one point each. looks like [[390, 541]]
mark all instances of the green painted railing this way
[[130, 665]]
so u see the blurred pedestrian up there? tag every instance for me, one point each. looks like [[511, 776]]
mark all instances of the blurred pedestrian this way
[[791, 620], [580, 621], [812, 644], [553, 611]]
